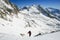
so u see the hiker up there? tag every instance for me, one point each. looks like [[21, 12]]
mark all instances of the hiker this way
[[29, 32]]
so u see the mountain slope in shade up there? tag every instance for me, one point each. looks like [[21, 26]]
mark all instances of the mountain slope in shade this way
[[31, 18], [55, 12]]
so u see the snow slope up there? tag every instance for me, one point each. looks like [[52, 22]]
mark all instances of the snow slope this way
[[52, 36], [24, 23]]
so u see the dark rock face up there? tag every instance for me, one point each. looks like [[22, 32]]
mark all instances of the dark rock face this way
[[7, 8]]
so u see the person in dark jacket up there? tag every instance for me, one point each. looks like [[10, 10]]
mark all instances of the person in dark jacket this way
[[29, 32]]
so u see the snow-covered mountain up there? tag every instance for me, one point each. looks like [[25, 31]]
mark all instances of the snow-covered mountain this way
[[7, 8], [31, 18], [55, 12]]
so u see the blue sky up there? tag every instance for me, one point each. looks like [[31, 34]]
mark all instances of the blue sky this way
[[44, 3]]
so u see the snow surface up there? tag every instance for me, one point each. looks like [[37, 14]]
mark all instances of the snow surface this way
[[25, 22], [52, 36]]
